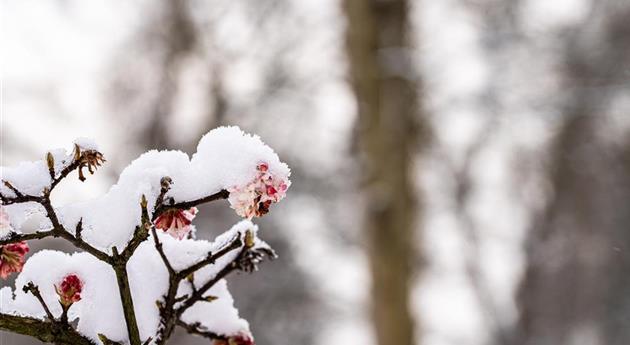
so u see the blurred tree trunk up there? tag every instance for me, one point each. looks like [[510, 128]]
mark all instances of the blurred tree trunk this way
[[576, 288], [178, 37], [385, 86]]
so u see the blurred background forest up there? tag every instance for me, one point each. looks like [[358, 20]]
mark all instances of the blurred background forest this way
[[461, 168]]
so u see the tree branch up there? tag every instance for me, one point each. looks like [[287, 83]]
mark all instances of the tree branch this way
[[48, 332], [222, 194], [60, 331], [34, 290], [65, 172], [197, 329], [60, 231], [199, 294], [170, 316], [19, 197], [106, 341], [160, 250], [119, 264], [120, 268], [140, 234], [165, 186], [14, 237], [211, 258]]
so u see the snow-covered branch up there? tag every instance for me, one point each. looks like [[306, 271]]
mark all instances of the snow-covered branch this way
[[169, 281]]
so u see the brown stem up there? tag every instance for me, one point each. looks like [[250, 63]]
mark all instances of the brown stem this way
[[34, 290], [170, 316], [199, 294], [15, 237], [222, 194], [106, 341], [64, 172], [48, 332], [197, 329], [126, 300], [33, 327], [60, 231], [160, 250], [211, 258]]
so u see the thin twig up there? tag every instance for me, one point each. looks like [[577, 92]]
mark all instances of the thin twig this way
[[48, 332], [79, 229], [127, 301], [211, 258], [199, 294], [107, 341], [140, 234], [168, 314], [14, 237], [34, 290], [13, 189], [160, 250], [165, 186], [19, 196], [64, 172], [196, 329], [64, 313], [222, 194], [60, 231]]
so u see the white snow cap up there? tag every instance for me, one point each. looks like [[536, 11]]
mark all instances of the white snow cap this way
[[86, 144], [226, 157], [27, 177]]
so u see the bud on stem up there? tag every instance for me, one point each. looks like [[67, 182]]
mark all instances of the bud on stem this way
[[50, 161]]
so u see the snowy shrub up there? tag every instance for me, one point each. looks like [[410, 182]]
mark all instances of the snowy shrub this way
[[139, 272]]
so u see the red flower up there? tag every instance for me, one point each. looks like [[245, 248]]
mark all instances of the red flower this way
[[176, 222], [70, 290], [239, 339], [12, 258]]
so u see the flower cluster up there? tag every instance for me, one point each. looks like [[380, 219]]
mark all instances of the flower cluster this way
[[240, 339], [255, 198], [69, 290], [12, 258], [176, 223]]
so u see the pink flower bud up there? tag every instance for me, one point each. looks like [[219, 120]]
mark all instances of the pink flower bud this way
[[12, 258], [70, 290], [176, 222]]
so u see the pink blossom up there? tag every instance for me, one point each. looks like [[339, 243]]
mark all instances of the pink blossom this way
[[255, 198], [12, 258], [176, 223], [69, 290]]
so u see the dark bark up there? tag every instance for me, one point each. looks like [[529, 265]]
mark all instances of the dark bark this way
[[56, 333]]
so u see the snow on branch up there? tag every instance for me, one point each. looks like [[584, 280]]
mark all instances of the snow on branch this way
[[140, 272]]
